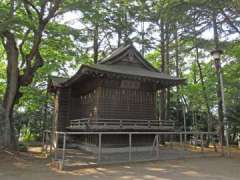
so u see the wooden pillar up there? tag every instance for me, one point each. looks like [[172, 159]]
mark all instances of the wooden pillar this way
[[69, 107], [171, 140], [185, 130], [214, 143], [43, 141], [202, 143], [185, 140], [157, 146], [51, 144], [239, 141], [130, 147], [195, 141], [63, 151], [56, 146], [99, 147], [180, 136], [55, 122], [46, 142], [227, 143], [98, 96], [221, 144]]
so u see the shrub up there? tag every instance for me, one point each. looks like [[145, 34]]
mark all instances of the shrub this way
[[22, 147]]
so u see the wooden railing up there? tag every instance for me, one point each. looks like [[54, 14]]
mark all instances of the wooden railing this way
[[120, 123]]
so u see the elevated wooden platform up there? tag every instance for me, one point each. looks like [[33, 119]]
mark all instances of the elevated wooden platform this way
[[121, 124]]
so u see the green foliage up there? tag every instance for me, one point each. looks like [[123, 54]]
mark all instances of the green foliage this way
[[153, 58], [233, 114], [22, 147], [26, 135], [233, 49], [2, 72]]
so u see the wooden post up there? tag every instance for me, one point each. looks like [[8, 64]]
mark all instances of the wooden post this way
[[63, 151], [214, 143], [46, 142], [99, 147], [171, 141], [185, 141], [195, 141], [157, 146], [221, 144], [51, 142], [56, 148], [239, 141], [202, 144], [43, 141], [130, 147], [185, 128], [98, 96], [227, 143], [180, 134]]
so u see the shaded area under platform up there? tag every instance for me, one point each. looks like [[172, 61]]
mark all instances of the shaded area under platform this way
[[75, 158]]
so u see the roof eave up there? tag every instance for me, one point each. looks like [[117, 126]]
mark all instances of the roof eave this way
[[88, 68]]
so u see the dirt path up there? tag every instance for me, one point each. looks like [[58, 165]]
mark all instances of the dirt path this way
[[34, 167]]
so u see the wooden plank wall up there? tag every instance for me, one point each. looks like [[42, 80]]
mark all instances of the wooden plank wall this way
[[119, 103], [110, 100], [63, 109], [83, 106]]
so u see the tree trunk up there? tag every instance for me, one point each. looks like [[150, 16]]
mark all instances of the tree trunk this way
[[119, 37], [163, 91], [177, 69], [95, 44], [45, 109], [204, 92], [33, 61], [12, 90], [177, 61], [167, 70], [142, 38], [218, 69], [203, 89], [209, 115]]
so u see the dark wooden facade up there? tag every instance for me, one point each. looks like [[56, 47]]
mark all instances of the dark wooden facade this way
[[111, 100], [117, 94]]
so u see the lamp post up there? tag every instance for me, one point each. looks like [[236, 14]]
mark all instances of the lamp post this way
[[216, 54]]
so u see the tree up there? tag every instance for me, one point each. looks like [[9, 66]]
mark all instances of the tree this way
[[22, 50]]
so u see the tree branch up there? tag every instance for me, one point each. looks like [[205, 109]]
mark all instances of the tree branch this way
[[54, 7], [21, 47], [27, 77], [41, 26], [32, 6], [3, 43], [229, 22], [34, 59]]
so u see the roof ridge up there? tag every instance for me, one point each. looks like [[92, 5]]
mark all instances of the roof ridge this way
[[114, 53], [123, 49]]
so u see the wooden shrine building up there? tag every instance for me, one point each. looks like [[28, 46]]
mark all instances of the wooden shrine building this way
[[117, 94]]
